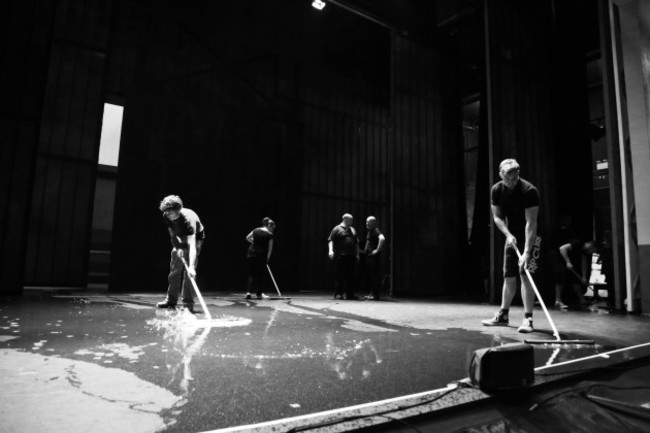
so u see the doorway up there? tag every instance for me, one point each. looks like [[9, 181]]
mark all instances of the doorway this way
[[103, 208]]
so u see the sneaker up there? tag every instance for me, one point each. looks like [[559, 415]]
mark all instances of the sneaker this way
[[189, 307], [369, 298], [498, 320], [165, 304], [248, 296], [352, 297], [263, 296], [559, 305], [526, 326]]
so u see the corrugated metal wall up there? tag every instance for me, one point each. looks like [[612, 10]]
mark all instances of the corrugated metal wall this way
[[61, 208]]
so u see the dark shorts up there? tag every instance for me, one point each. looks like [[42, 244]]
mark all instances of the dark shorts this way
[[511, 260]]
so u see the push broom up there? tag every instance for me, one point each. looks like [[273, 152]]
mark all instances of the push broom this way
[[558, 340], [584, 286], [276, 285]]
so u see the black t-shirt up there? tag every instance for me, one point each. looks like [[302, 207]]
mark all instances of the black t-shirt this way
[[514, 203], [345, 241], [372, 240], [186, 224], [260, 246]]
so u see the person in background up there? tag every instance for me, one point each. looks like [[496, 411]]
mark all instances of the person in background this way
[[343, 245], [258, 255], [371, 258], [570, 255], [515, 206]]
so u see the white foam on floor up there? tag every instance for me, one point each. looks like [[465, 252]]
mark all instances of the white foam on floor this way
[[77, 396], [222, 322], [120, 350], [171, 321]]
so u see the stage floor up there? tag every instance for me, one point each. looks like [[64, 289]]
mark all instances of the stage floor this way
[[80, 362]]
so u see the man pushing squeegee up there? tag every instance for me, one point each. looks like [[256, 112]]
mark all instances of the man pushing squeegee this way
[[187, 235]]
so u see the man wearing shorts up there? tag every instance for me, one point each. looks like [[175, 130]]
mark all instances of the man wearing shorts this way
[[515, 206]]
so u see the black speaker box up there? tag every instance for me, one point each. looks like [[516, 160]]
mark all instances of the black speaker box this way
[[503, 368]]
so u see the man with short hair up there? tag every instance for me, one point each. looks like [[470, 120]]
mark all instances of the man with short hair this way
[[371, 259], [343, 244], [515, 206], [187, 235]]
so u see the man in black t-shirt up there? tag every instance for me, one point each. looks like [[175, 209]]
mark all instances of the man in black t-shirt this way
[[343, 244], [371, 259], [515, 206], [258, 255], [187, 234]]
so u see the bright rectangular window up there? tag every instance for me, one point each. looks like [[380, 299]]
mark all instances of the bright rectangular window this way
[[109, 144]]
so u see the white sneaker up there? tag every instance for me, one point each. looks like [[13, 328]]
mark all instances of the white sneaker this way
[[499, 319], [526, 326], [263, 296]]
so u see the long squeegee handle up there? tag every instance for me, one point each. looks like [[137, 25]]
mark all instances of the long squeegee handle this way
[[198, 292], [539, 297], [196, 287], [274, 283]]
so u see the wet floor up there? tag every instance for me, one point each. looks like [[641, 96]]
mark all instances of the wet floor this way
[[120, 361]]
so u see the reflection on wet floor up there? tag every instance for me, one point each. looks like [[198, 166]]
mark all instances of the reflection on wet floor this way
[[252, 362]]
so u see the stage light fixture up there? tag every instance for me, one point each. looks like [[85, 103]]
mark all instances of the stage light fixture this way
[[318, 4]]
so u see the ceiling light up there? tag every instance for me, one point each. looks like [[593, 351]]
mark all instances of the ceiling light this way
[[318, 4]]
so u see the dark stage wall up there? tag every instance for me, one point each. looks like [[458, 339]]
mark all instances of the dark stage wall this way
[[519, 99], [249, 109], [285, 126], [66, 160], [24, 58]]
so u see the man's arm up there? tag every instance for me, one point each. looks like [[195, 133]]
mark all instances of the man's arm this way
[[564, 252], [330, 246], [268, 255], [191, 245], [356, 238], [249, 237], [380, 245], [531, 232], [499, 220]]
